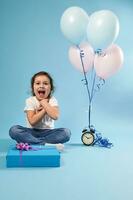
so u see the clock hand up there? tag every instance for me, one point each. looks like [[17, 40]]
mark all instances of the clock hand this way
[[88, 137]]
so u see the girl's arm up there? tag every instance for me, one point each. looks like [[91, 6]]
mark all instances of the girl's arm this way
[[35, 116], [52, 111]]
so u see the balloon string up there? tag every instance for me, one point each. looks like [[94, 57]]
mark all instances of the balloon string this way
[[98, 52], [87, 86], [90, 94], [93, 86], [86, 81], [98, 85]]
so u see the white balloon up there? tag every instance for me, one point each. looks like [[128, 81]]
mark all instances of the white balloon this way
[[102, 29], [88, 57], [109, 62], [73, 24]]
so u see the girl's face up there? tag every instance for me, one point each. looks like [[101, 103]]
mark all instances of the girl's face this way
[[42, 87]]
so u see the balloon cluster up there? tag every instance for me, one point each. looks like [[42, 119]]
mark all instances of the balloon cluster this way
[[89, 34]]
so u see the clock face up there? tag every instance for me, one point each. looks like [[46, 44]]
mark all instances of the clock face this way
[[87, 138]]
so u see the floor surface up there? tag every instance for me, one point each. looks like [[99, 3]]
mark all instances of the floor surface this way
[[86, 173]]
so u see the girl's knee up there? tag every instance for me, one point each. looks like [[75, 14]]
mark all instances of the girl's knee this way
[[13, 131], [67, 133]]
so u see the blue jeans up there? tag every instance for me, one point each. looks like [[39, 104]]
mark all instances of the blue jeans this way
[[39, 136]]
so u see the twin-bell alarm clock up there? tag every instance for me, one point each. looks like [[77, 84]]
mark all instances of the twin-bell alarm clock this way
[[87, 137]]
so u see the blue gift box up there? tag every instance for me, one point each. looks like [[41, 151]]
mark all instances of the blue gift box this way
[[38, 156]]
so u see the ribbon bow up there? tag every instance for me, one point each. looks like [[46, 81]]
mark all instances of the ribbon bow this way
[[23, 146], [102, 142], [99, 141]]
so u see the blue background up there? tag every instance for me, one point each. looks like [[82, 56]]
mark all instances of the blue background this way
[[31, 40]]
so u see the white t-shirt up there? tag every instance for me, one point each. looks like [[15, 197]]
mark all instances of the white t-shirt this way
[[33, 104]]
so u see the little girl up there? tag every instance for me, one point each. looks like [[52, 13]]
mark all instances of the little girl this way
[[41, 110]]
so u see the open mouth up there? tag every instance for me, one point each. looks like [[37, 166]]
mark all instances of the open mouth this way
[[41, 93]]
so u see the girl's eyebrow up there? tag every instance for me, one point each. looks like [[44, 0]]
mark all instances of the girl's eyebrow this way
[[43, 81]]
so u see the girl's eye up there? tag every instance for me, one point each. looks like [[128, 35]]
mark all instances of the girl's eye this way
[[45, 83]]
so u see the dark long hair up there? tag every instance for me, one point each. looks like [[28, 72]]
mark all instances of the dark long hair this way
[[40, 74]]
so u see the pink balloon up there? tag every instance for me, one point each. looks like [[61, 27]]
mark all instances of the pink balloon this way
[[88, 58], [109, 62]]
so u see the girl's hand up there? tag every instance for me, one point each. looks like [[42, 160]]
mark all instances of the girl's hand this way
[[39, 109], [44, 102], [52, 111]]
